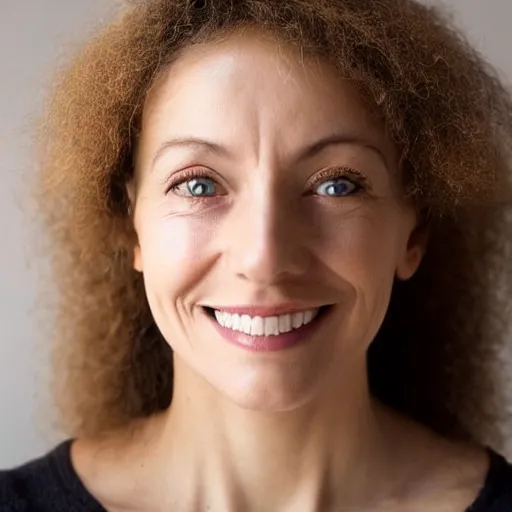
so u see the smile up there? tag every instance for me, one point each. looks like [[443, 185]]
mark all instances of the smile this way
[[267, 333], [265, 326]]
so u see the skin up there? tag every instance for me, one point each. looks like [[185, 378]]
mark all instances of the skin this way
[[296, 429]]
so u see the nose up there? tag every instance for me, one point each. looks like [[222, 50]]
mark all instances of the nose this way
[[268, 241]]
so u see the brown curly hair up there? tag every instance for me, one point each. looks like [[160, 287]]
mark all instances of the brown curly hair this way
[[451, 118]]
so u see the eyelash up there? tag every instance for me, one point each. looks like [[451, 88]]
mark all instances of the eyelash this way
[[186, 175], [355, 176]]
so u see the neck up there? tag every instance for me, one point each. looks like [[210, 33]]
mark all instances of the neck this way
[[303, 458], [340, 451]]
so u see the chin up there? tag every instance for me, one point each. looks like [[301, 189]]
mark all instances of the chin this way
[[267, 391]]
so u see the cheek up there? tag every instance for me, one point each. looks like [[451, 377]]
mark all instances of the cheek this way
[[175, 254], [174, 242], [360, 253], [362, 246]]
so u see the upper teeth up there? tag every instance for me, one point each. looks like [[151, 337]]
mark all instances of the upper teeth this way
[[265, 326]]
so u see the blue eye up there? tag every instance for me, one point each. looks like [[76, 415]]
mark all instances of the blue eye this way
[[198, 187], [338, 187]]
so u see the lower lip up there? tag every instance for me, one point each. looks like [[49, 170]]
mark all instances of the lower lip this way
[[270, 343]]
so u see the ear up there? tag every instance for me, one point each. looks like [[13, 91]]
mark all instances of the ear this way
[[414, 251], [137, 256]]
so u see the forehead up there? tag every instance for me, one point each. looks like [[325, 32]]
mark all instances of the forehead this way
[[254, 86]]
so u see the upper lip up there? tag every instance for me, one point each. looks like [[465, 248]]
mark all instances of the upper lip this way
[[270, 310]]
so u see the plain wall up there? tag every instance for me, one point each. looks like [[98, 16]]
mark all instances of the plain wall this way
[[32, 34]]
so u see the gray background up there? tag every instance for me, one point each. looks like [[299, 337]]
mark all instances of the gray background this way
[[33, 33]]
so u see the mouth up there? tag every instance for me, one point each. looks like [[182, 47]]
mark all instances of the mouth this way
[[267, 333]]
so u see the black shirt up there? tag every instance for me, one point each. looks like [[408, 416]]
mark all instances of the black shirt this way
[[50, 484]]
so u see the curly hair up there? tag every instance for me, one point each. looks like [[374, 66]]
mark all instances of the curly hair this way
[[450, 115]]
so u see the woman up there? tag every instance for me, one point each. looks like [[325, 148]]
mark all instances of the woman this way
[[274, 226]]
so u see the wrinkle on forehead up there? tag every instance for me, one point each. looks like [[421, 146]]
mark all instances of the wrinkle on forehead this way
[[286, 81]]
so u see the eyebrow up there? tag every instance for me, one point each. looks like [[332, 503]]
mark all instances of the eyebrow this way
[[190, 142], [306, 153]]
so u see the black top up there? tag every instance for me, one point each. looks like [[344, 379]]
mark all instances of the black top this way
[[50, 484]]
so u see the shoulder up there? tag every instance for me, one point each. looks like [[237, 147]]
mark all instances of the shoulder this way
[[42, 485], [21, 487], [496, 494], [13, 492]]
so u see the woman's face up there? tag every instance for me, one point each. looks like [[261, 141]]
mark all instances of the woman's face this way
[[265, 189]]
